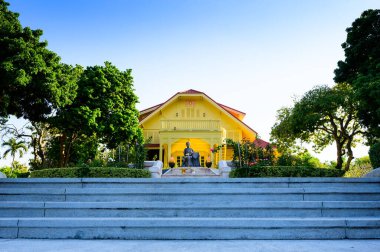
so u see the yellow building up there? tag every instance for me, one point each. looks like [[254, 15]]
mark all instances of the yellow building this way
[[195, 117]]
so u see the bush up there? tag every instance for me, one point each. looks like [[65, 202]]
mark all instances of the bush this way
[[18, 171], [360, 167], [91, 172], [374, 155], [8, 172], [284, 171], [300, 159]]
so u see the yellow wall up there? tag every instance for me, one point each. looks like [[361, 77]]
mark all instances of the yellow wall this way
[[197, 119]]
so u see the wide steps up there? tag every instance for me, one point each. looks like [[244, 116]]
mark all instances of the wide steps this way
[[185, 194], [188, 208], [174, 183], [190, 228], [229, 209]]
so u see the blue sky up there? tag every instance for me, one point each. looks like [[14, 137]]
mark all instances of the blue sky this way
[[255, 56]]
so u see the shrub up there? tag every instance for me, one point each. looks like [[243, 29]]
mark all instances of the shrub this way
[[17, 170], [374, 155], [246, 153], [284, 171], [8, 172], [55, 173], [91, 172], [360, 167], [300, 159]]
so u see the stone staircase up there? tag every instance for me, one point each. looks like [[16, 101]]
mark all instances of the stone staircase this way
[[190, 208], [191, 172]]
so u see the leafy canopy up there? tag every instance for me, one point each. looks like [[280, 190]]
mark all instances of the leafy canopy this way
[[322, 116], [361, 68], [33, 81], [105, 105]]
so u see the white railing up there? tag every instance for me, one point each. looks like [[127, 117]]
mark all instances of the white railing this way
[[154, 134], [193, 125]]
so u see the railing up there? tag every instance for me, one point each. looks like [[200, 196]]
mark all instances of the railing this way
[[193, 125], [154, 134]]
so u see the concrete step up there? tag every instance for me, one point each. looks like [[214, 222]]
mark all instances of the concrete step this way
[[188, 208], [186, 194], [190, 228], [193, 172], [190, 183], [301, 209]]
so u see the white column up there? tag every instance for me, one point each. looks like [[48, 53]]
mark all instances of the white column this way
[[160, 154], [169, 149]]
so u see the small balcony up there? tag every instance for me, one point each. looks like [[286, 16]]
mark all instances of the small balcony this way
[[190, 125]]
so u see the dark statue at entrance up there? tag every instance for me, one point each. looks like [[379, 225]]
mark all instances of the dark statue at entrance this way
[[191, 158]]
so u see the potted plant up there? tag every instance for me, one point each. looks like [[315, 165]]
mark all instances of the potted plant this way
[[171, 162]]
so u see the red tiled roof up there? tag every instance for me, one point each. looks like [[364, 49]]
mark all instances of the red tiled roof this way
[[227, 107], [260, 143], [190, 91]]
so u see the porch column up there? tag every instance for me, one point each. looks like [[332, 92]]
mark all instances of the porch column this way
[[220, 157], [160, 153], [169, 149]]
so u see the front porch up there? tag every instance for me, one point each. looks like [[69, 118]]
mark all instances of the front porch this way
[[157, 171], [171, 148]]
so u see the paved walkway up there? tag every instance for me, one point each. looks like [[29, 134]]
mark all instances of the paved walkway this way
[[21, 245]]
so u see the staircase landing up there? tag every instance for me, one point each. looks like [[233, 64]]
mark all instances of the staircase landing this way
[[191, 172]]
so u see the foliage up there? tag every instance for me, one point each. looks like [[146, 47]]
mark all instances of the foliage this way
[[374, 154], [284, 171], [301, 159], [82, 151], [104, 107], [16, 171], [8, 171], [33, 81], [71, 110], [36, 134], [360, 167], [91, 172], [322, 116], [361, 68], [139, 154], [247, 153], [14, 147]]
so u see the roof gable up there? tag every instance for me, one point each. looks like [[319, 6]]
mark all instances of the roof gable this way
[[230, 112]]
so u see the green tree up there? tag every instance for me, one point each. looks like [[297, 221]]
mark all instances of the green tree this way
[[33, 81], [37, 134], [105, 106], [14, 147], [361, 68], [322, 116]]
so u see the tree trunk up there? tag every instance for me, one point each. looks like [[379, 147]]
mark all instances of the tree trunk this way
[[68, 146], [40, 151], [350, 155], [62, 140], [339, 155]]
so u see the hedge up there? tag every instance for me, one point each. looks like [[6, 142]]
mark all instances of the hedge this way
[[91, 172], [284, 171]]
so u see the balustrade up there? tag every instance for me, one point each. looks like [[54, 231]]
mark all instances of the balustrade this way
[[208, 125]]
